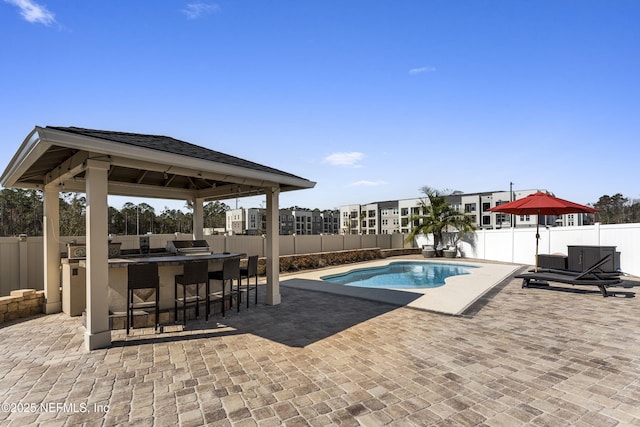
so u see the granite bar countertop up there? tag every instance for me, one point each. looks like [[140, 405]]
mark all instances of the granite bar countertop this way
[[167, 259]]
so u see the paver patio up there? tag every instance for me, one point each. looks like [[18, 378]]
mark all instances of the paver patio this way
[[527, 357]]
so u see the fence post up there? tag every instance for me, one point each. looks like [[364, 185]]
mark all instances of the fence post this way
[[596, 228], [24, 261]]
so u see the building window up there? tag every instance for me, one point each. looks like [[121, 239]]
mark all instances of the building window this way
[[469, 207], [486, 220], [486, 206]]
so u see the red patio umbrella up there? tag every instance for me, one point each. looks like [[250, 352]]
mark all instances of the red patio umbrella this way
[[541, 203]]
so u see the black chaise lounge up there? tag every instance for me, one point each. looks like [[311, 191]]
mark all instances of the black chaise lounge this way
[[593, 276]]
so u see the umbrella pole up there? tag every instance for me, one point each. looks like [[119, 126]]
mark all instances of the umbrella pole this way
[[537, 238]]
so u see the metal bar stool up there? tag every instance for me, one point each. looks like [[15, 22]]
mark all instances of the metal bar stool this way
[[194, 273], [142, 277], [250, 270], [230, 272]]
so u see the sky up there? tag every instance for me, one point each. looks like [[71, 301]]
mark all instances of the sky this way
[[372, 100]]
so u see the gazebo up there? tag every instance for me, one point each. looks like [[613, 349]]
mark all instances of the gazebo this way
[[101, 163]]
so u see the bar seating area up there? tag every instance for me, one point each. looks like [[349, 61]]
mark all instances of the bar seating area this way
[[199, 277], [156, 287]]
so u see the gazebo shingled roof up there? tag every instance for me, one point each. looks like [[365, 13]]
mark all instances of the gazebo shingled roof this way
[[165, 166]]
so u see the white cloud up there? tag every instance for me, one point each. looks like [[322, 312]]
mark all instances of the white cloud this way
[[365, 183], [33, 12], [421, 70], [199, 9], [344, 159]]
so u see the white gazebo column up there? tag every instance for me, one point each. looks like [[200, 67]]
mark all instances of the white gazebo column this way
[[98, 334], [198, 219], [273, 247], [53, 301]]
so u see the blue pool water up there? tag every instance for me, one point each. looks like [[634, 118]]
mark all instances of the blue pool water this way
[[400, 275]]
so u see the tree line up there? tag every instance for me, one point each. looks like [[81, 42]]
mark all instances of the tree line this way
[[617, 209], [21, 212]]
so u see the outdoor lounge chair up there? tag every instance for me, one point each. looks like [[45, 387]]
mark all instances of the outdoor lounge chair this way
[[590, 277], [593, 272]]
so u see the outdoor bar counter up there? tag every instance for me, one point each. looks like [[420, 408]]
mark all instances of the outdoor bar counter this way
[[168, 267]]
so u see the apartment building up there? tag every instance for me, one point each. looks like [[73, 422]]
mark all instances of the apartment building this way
[[330, 222], [350, 219], [253, 221], [477, 205], [408, 208], [392, 216], [398, 216]]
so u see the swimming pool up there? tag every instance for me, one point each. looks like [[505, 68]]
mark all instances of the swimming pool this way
[[400, 275]]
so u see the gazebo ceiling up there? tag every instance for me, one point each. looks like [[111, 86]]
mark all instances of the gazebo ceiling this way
[[140, 165]]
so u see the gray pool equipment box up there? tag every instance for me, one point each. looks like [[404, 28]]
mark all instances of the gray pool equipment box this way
[[581, 258]]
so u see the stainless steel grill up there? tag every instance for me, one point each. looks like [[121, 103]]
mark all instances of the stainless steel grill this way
[[188, 247]]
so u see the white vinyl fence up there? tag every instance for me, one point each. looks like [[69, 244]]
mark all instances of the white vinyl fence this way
[[519, 245], [21, 260]]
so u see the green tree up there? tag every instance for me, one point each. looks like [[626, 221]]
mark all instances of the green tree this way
[[612, 209], [147, 217], [73, 208], [634, 211], [215, 214], [436, 217], [20, 212]]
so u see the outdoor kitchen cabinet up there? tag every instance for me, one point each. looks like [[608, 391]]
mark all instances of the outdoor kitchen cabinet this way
[[74, 287], [581, 258]]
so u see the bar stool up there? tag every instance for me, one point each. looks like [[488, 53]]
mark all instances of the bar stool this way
[[142, 276], [194, 273], [250, 270], [230, 272]]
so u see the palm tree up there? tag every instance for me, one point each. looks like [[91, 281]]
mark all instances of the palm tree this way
[[437, 216]]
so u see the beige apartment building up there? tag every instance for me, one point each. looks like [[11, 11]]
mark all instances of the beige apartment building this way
[[396, 216]]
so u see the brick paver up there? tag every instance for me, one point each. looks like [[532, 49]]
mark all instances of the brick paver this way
[[528, 357]]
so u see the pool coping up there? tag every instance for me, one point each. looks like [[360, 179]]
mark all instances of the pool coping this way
[[454, 298]]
